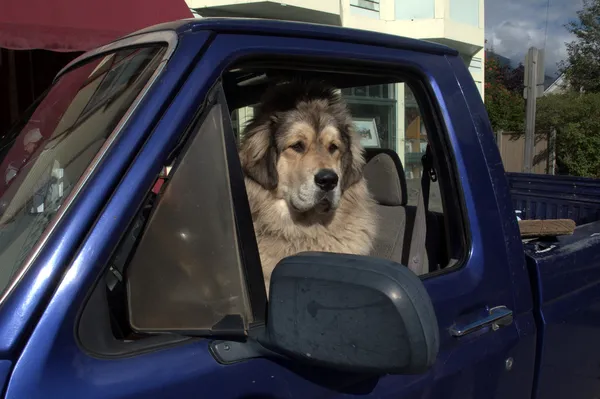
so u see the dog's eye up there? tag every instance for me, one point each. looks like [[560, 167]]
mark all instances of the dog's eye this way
[[298, 147], [333, 148]]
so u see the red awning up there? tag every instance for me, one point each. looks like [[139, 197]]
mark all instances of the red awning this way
[[70, 25]]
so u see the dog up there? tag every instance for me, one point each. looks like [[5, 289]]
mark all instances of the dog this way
[[302, 162]]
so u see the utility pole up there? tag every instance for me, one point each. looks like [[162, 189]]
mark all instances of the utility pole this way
[[534, 88]]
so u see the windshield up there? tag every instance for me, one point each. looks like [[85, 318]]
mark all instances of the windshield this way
[[45, 155]]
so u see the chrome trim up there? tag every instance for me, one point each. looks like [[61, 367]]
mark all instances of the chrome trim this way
[[499, 316], [168, 36], [171, 38]]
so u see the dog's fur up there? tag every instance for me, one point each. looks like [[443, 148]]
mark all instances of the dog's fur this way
[[290, 212]]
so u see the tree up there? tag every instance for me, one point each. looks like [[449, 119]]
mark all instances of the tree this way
[[582, 67], [576, 120], [506, 108], [514, 79], [511, 78]]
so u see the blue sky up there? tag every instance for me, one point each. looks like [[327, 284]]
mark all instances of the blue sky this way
[[512, 26]]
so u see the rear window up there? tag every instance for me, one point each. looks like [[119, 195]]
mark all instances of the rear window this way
[[45, 155]]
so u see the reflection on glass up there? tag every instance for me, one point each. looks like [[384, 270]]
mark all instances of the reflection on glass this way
[[45, 155]]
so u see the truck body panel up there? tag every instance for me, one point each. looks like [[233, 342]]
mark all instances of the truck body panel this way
[[566, 274], [568, 279]]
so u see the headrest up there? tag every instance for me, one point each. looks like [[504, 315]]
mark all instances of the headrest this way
[[386, 180]]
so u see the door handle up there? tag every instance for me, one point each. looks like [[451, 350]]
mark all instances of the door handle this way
[[497, 317]]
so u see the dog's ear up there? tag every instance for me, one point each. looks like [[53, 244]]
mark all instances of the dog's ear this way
[[258, 154], [353, 159]]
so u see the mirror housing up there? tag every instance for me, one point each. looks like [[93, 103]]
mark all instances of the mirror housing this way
[[352, 313]]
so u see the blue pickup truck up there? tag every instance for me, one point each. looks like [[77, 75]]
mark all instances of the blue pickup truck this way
[[129, 266]]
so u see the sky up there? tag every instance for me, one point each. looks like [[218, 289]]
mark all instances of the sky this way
[[512, 26]]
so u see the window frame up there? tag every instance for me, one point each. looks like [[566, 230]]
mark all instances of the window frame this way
[[250, 275], [247, 246], [449, 187], [88, 325], [249, 255], [458, 245]]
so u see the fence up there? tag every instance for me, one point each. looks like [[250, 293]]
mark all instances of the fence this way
[[512, 150]]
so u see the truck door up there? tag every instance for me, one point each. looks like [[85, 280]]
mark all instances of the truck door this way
[[199, 227]]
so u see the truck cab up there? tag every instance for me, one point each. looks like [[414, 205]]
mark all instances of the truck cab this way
[[130, 266]]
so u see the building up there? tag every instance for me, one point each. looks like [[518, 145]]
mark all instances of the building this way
[[389, 109], [559, 86]]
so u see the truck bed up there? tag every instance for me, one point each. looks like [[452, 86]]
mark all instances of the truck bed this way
[[565, 276], [555, 197]]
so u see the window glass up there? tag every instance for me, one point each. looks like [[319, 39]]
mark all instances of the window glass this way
[[372, 5], [411, 10], [49, 150], [465, 11], [389, 117], [186, 273]]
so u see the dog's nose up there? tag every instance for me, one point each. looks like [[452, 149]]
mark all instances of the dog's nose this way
[[326, 179]]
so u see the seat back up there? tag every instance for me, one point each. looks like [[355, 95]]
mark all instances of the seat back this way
[[387, 183]]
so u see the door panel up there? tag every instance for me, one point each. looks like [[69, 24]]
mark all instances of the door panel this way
[[473, 366]]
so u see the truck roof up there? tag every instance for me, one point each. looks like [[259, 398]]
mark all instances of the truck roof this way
[[299, 29]]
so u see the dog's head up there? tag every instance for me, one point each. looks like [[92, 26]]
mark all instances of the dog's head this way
[[303, 145]]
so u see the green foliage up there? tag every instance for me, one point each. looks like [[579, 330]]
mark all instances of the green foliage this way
[[506, 108], [576, 118], [582, 67]]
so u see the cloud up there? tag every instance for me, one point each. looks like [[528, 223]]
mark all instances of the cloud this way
[[512, 26]]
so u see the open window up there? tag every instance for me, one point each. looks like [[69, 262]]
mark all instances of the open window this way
[[190, 257], [398, 123]]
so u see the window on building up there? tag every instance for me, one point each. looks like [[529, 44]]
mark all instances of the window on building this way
[[465, 11], [372, 5], [374, 107], [409, 10], [365, 8], [476, 65]]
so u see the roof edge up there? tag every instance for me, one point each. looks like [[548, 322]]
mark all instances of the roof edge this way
[[302, 30]]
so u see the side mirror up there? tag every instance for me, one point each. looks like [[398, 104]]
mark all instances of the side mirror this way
[[353, 313]]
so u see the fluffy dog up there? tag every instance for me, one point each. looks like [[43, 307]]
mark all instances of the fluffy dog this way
[[303, 162]]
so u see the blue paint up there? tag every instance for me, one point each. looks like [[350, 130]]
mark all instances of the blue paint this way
[[556, 197], [555, 296], [5, 369]]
